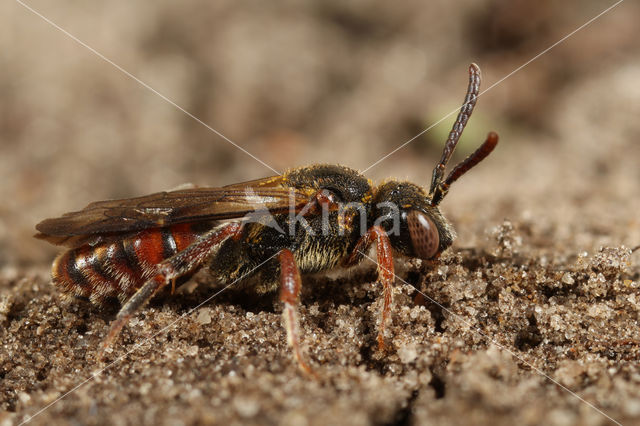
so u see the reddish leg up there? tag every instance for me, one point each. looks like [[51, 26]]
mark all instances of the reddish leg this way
[[184, 262], [290, 284], [386, 275]]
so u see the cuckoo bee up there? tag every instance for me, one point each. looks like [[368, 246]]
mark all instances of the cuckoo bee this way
[[306, 220]]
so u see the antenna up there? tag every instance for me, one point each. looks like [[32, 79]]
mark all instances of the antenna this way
[[439, 188]]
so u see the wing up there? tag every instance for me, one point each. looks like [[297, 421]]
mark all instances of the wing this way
[[104, 218]]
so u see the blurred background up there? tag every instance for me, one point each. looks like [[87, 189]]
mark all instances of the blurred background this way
[[300, 82]]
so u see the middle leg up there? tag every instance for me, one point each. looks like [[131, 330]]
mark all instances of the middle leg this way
[[290, 284]]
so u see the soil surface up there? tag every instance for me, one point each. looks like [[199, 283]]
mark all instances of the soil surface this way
[[530, 318]]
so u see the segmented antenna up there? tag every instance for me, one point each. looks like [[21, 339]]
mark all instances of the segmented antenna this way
[[463, 167], [439, 188]]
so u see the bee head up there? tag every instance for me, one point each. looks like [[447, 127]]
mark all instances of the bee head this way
[[414, 226], [409, 214]]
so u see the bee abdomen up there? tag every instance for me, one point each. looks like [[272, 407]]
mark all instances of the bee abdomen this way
[[119, 268]]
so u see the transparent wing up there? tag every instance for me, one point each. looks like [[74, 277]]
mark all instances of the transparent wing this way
[[104, 218]]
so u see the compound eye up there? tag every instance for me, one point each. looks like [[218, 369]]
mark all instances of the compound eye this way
[[424, 235]]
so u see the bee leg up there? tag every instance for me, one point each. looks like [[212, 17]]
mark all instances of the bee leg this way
[[290, 284], [142, 296], [182, 263], [386, 273]]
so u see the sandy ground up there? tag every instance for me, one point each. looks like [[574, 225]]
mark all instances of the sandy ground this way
[[531, 317]]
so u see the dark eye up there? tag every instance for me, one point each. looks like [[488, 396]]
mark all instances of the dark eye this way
[[424, 234]]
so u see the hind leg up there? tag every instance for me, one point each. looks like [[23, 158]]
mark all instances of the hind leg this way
[[185, 262]]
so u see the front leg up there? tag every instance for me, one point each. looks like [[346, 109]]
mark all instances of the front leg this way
[[386, 273], [290, 284]]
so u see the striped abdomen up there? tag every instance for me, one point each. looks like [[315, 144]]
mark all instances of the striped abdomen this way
[[119, 268]]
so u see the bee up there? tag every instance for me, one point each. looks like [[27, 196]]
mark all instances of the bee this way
[[272, 230]]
